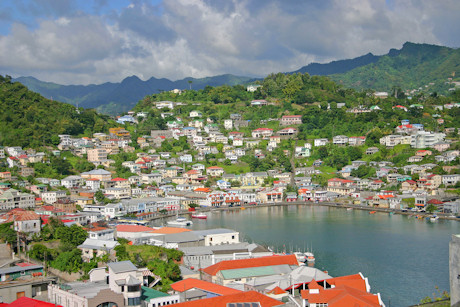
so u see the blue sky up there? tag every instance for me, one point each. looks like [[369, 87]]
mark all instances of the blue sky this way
[[95, 41]]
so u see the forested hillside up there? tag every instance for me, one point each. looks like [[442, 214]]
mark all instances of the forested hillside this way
[[412, 67], [29, 120]]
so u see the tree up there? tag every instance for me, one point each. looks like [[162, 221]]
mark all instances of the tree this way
[[7, 233], [431, 208], [68, 261]]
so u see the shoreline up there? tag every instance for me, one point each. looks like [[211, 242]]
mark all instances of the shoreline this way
[[423, 215]]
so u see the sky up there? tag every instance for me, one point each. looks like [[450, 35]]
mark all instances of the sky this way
[[97, 41]]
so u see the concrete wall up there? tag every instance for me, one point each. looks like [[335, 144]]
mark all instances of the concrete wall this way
[[454, 270]]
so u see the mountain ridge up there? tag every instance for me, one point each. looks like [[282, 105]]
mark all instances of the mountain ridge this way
[[378, 72]]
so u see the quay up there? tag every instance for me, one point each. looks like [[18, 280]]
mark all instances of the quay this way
[[185, 213]]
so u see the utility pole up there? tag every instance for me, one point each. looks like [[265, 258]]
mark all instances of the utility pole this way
[[17, 234]]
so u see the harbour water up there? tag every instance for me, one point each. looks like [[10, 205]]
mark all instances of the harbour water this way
[[404, 258]]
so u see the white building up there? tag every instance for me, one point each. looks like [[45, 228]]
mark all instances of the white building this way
[[219, 236], [320, 142], [228, 124], [51, 197], [425, 139]]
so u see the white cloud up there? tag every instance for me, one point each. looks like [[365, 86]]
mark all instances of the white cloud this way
[[180, 38]]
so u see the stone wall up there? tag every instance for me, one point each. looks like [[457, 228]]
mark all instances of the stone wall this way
[[55, 272]]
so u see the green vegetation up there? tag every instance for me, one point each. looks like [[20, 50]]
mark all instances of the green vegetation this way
[[414, 66], [161, 261], [7, 233], [66, 257], [29, 120]]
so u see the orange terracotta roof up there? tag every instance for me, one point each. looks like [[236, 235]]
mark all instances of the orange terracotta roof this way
[[314, 285], [169, 230], [202, 190], [249, 263], [133, 228], [193, 283], [342, 296], [349, 290], [277, 291], [97, 228], [243, 297], [14, 215]]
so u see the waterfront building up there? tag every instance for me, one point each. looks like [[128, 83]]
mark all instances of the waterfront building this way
[[351, 290], [213, 273]]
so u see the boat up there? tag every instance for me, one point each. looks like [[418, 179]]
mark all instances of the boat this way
[[372, 212], [180, 221], [200, 216], [349, 209], [301, 257], [310, 256], [434, 218], [243, 208]]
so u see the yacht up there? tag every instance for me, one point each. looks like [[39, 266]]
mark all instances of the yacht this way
[[180, 221]]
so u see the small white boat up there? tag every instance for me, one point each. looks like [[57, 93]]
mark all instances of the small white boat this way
[[434, 218], [349, 209], [300, 257], [180, 221], [310, 256], [201, 216]]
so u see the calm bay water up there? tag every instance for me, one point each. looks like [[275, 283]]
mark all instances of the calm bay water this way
[[404, 258]]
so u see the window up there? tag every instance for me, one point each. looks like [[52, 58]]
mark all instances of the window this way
[[133, 288], [134, 301]]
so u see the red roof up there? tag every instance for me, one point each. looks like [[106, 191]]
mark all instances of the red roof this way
[[242, 297], [133, 228], [119, 179], [350, 290], [24, 264], [435, 202], [215, 167], [30, 302], [192, 283], [250, 263]]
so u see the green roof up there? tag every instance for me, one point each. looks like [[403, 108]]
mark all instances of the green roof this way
[[148, 294], [248, 272]]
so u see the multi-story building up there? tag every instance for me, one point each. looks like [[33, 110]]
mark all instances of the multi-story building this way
[[288, 120], [50, 197], [425, 139], [340, 140], [11, 199], [120, 287], [97, 154]]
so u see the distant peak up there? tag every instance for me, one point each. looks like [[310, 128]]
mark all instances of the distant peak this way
[[133, 77]]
